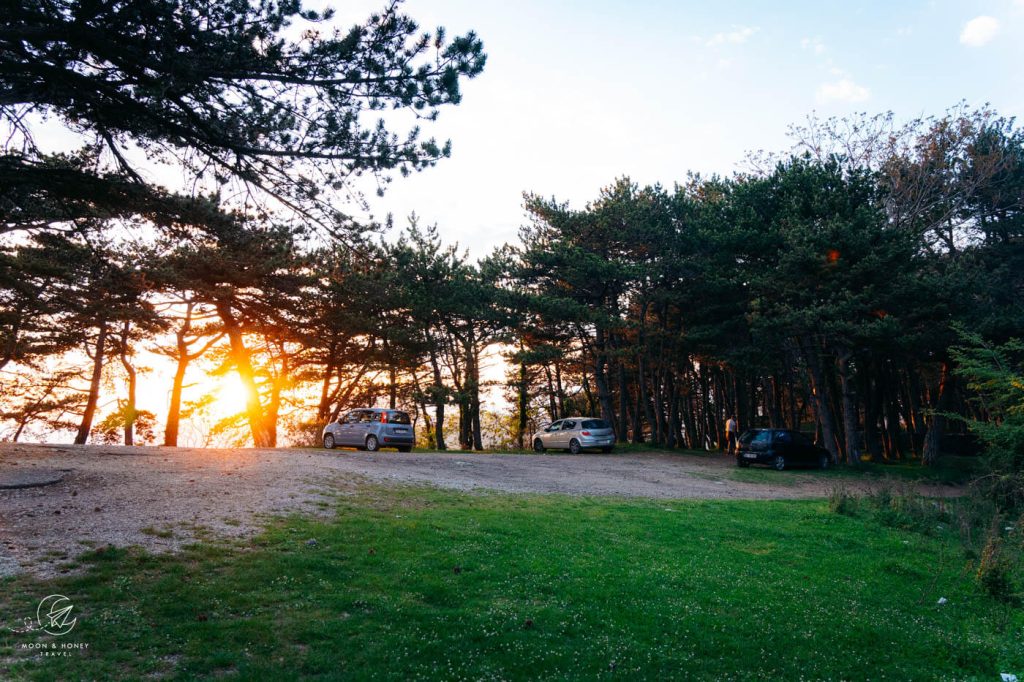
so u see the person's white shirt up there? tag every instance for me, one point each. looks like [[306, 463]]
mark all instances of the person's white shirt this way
[[730, 426]]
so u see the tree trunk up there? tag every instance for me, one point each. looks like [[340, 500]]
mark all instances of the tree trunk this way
[[643, 396], [820, 401], [261, 435], [552, 405], [474, 397], [438, 395], [523, 402], [94, 386], [133, 381], [623, 427], [560, 392], [174, 411], [604, 395], [871, 412], [933, 438], [849, 407]]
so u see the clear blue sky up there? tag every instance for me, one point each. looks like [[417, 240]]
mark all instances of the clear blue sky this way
[[576, 92]]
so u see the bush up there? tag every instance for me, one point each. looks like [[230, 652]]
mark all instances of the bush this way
[[995, 569], [842, 501]]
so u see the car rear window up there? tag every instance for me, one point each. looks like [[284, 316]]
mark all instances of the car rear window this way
[[396, 417], [755, 437], [595, 424]]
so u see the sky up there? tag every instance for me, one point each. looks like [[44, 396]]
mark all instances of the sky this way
[[576, 94]]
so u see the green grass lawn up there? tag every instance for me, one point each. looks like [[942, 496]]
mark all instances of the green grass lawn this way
[[416, 583]]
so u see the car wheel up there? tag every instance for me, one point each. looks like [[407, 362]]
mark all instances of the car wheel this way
[[538, 446], [329, 441], [405, 448], [606, 449], [779, 462], [742, 463], [574, 446], [372, 444], [824, 461]]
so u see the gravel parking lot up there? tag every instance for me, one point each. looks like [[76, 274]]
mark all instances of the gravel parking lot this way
[[161, 498]]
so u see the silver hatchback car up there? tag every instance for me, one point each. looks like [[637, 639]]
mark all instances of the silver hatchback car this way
[[371, 429], [575, 434]]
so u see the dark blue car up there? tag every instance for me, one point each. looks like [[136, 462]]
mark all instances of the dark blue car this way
[[781, 449]]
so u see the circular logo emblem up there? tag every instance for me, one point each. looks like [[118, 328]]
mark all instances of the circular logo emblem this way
[[54, 615]]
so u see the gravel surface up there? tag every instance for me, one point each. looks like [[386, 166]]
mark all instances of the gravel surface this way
[[161, 498]]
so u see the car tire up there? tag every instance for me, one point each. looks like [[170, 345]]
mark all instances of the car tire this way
[[574, 446], [606, 449], [742, 463], [405, 448], [779, 463], [372, 444], [538, 446], [824, 461], [329, 441]]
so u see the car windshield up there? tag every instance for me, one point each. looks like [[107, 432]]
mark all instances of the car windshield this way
[[595, 424]]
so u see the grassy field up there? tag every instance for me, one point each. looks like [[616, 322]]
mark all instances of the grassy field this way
[[416, 583]]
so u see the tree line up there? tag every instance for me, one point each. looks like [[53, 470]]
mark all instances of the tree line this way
[[824, 292]]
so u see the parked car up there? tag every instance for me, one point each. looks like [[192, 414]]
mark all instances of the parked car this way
[[575, 434], [780, 448], [371, 429]]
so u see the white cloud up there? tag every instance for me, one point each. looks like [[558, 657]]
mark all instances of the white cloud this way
[[737, 36], [814, 44], [842, 90], [979, 31]]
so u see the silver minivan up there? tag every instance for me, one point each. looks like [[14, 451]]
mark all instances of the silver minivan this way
[[371, 428], [575, 434]]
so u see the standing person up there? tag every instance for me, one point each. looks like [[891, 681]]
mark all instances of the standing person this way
[[731, 429]]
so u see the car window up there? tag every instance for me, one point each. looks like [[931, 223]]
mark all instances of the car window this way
[[595, 424], [568, 425], [554, 427], [763, 437], [802, 440], [367, 416], [396, 417], [352, 417], [783, 437]]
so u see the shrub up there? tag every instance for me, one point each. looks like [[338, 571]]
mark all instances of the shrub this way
[[995, 569], [842, 501]]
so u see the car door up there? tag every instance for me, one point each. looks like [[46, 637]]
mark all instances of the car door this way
[[361, 427], [550, 433], [570, 427], [808, 450], [344, 430], [782, 444]]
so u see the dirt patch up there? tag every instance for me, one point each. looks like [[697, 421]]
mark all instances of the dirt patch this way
[[161, 498]]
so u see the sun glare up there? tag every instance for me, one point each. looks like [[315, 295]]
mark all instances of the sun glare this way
[[230, 395]]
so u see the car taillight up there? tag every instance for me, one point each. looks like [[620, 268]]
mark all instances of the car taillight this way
[[383, 417], [584, 433]]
